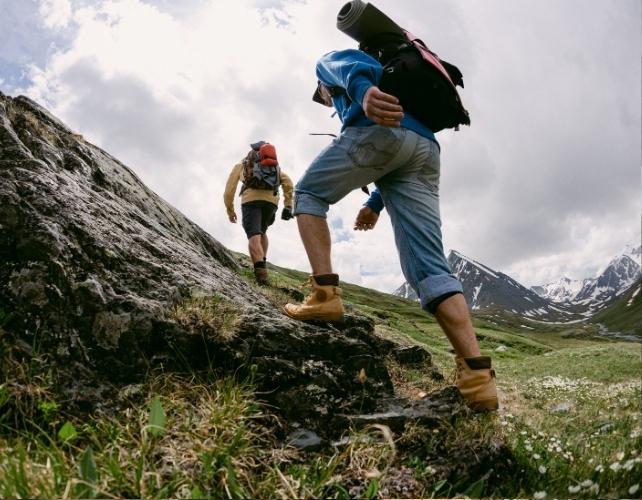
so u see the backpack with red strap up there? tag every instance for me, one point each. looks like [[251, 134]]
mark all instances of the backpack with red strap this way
[[425, 84], [261, 168]]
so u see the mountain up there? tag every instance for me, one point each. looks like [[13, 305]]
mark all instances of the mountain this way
[[597, 292], [485, 287], [562, 290], [623, 316], [406, 291]]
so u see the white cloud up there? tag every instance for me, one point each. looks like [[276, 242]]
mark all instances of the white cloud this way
[[55, 13], [544, 181]]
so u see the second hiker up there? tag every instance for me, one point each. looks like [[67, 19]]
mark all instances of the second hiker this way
[[261, 177]]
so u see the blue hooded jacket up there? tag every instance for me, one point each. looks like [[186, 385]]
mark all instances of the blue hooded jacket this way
[[355, 71]]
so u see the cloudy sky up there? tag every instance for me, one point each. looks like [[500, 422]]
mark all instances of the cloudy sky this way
[[545, 183]]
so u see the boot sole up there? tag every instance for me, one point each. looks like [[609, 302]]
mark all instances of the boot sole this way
[[333, 318], [484, 405]]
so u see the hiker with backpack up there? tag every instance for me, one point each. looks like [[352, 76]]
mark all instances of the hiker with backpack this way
[[394, 146], [261, 176]]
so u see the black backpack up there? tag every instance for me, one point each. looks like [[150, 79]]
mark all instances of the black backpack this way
[[424, 84], [261, 168]]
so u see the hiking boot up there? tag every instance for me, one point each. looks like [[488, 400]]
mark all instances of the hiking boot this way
[[476, 383], [323, 303], [261, 275]]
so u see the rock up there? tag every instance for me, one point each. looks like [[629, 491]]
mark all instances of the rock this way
[[563, 407], [411, 355], [434, 411], [304, 439], [94, 263]]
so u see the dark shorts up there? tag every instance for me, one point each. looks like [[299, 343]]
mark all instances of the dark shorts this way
[[257, 216]]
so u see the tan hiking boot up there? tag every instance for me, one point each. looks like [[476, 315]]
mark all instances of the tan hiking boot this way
[[476, 382], [261, 275], [323, 304]]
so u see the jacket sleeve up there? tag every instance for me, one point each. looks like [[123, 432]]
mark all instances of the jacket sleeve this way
[[288, 188], [230, 188], [351, 69], [375, 202]]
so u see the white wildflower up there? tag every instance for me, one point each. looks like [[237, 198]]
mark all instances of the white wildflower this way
[[586, 484], [595, 489], [615, 466], [539, 495], [599, 468], [629, 464], [523, 433], [574, 489], [536, 456], [541, 469], [528, 447], [620, 456], [634, 489], [430, 470]]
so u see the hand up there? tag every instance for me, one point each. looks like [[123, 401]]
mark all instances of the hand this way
[[232, 218], [366, 219], [286, 214], [382, 108]]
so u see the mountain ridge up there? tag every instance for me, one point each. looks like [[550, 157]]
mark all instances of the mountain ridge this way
[[564, 300]]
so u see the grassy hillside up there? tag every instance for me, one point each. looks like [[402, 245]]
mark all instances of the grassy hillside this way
[[624, 314], [569, 418]]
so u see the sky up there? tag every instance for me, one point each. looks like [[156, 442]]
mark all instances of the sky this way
[[546, 182]]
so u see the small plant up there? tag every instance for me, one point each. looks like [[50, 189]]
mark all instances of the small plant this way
[[213, 314]]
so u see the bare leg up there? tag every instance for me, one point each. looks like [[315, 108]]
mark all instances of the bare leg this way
[[264, 244], [454, 318], [315, 235], [255, 248]]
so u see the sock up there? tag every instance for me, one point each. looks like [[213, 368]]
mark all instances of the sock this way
[[261, 264], [326, 279]]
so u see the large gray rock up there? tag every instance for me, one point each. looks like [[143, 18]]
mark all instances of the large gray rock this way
[[93, 263]]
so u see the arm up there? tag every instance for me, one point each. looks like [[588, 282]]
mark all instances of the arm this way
[[369, 215], [288, 188], [359, 74], [230, 188]]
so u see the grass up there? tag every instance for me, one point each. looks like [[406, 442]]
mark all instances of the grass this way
[[207, 314], [570, 421]]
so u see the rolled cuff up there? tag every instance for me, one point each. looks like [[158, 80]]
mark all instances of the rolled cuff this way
[[433, 287], [305, 203]]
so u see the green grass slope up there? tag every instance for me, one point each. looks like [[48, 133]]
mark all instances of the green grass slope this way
[[625, 313]]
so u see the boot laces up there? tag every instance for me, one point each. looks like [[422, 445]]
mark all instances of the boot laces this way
[[308, 285]]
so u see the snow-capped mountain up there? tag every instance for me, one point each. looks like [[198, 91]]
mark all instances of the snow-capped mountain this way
[[406, 291], [485, 287], [562, 290], [618, 276]]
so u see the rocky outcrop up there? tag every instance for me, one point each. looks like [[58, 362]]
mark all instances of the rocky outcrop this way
[[95, 273]]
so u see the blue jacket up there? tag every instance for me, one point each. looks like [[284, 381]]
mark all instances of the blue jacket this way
[[355, 71]]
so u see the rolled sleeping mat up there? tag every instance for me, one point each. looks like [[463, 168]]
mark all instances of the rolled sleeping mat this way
[[362, 21]]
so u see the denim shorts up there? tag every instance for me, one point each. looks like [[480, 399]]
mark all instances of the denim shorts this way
[[405, 167]]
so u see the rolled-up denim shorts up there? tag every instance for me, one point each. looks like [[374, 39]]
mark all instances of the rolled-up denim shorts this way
[[405, 167]]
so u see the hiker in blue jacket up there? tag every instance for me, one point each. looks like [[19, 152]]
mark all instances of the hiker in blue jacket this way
[[380, 143]]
